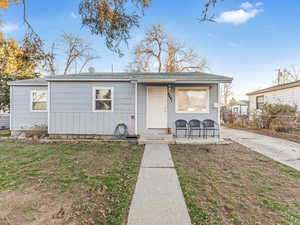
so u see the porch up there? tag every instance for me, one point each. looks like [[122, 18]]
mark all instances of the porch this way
[[171, 139]]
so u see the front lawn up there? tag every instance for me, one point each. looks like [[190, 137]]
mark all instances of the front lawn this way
[[230, 184], [67, 183]]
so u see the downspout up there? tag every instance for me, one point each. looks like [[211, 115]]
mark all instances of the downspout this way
[[219, 108], [48, 107], [136, 109]]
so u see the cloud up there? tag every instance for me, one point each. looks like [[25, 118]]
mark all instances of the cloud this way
[[73, 15], [247, 5], [240, 16], [259, 4], [9, 28]]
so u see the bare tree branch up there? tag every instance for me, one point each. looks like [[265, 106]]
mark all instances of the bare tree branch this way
[[170, 55]]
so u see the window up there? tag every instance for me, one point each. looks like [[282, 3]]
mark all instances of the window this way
[[192, 100], [260, 102], [103, 99], [39, 101]]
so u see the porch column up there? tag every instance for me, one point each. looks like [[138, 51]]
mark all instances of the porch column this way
[[219, 104], [136, 109]]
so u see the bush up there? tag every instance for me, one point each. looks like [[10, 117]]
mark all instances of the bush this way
[[274, 115]]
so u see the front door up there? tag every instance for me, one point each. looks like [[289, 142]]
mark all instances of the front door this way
[[157, 107]]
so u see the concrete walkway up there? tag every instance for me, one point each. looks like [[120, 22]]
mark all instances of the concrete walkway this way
[[158, 199], [286, 152]]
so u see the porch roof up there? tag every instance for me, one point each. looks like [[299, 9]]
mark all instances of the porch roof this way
[[182, 77]]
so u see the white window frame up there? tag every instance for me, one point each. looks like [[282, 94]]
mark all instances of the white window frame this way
[[31, 101], [94, 99], [188, 88]]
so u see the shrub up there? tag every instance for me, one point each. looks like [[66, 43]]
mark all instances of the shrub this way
[[271, 113]]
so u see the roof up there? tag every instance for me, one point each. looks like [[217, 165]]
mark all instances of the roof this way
[[276, 88], [139, 77], [36, 81]]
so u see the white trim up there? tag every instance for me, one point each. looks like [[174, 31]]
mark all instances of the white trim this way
[[219, 104], [147, 107], [196, 112], [31, 101], [94, 99], [136, 110], [86, 79], [10, 106], [48, 106]]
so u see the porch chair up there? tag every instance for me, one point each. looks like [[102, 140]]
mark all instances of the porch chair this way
[[211, 125], [195, 125], [181, 125]]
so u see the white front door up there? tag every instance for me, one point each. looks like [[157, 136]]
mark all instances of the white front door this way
[[157, 107]]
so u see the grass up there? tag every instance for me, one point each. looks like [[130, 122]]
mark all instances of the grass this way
[[230, 184], [77, 183]]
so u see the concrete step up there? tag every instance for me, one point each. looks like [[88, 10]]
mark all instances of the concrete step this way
[[156, 139]]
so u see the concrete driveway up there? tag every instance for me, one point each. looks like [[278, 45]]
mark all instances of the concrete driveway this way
[[283, 151]]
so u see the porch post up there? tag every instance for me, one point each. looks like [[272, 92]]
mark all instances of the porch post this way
[[219, 104], [49, 106], [136, 109]]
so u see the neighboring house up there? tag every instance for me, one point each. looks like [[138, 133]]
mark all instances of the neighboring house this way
[[240, 108], [95, 103], [280, 94], [4, 121]]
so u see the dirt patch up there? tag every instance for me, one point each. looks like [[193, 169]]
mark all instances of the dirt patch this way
[[230, 184], [31, 207]]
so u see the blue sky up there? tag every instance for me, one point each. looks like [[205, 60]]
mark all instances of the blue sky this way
[[250, 40]]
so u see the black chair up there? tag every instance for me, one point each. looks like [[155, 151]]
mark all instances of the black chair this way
[[181, 125], [211, 125], [195, 125]]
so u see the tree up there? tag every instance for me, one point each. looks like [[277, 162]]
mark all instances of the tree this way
[[286, 75], [157, 51], [182, 59], [76, 51], [226, 93], [15, 64], [113, 19]]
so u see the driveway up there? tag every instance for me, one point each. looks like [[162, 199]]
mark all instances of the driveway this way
[[283, 151]]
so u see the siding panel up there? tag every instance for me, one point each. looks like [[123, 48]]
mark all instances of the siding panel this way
[[22, 117], [72, 106]]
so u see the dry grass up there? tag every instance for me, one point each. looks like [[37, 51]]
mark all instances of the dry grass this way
[[67, 183], [230, 184]]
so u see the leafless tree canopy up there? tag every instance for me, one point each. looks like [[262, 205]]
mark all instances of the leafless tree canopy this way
[[158, 52], [226, 93], [286, 75], [76, 51]]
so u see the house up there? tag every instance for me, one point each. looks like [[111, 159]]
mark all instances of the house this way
[[280, 94], [240, 108], [95, 103]]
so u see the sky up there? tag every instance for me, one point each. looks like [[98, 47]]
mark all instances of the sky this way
[[249, 41]]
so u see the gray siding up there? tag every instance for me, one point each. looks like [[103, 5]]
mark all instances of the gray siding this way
[[4, 121], [71, 108], [172, 115], [22, 117]]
